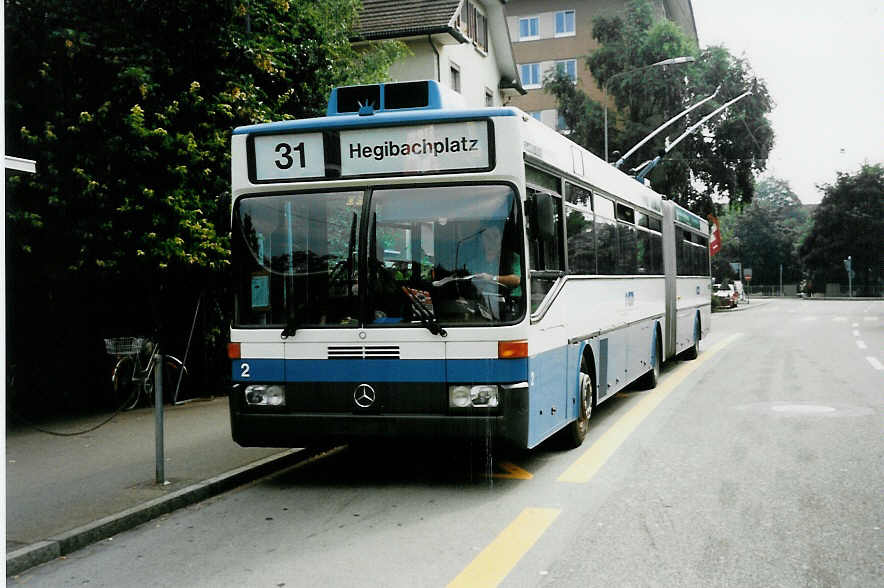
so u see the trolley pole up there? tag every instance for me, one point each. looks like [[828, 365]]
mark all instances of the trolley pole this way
[[158, 413]]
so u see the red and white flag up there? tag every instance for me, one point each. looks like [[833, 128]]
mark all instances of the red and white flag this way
[[715, 236]]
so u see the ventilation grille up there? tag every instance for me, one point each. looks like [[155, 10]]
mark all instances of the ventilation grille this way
[[363, 352]]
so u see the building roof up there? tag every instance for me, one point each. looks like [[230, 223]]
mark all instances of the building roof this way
[[382, 19], [401, 19]]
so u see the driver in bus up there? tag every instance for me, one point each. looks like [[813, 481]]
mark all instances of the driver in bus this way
[[490, 266]]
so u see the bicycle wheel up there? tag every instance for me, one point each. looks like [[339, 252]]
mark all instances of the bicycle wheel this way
[[175, 379], [173, 371], [124, 394]]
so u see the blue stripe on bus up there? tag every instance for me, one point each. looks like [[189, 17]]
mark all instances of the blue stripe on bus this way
[[380, 370], [380, 119], [487, 370], [258, 370], [361, 370]]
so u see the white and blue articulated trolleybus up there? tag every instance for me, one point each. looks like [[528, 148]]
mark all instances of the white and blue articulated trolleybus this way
[[405, 267]]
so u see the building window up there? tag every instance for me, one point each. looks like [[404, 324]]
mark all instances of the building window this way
[[481, 37], [569, 67], [530, 74], [565, 23], [489, 97], [529, 28], [474, 24], [536, 114], [454, 76]]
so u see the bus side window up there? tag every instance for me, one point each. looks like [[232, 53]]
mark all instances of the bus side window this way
[[580, 241], [607, 249], [545, 241]]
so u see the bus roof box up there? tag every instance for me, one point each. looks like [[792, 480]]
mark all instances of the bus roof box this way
[[391, 97]]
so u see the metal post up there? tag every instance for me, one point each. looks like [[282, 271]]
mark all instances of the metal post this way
[[158, 413], [781, 279]]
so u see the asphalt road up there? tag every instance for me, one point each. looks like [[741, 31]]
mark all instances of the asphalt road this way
[[758, 464]]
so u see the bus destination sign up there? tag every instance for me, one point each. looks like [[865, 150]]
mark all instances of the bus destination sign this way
[[415, 149], [402, 150]]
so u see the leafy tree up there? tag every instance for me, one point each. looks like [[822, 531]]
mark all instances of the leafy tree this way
[[724, 155], [848, 222], [764, 235], [127, 108]]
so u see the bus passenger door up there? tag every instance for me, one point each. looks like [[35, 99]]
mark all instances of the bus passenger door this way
[[548, 366]]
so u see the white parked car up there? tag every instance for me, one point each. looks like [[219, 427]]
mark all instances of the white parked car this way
[[727, 295]]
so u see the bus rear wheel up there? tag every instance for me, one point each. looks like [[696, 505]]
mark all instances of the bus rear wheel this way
[[649, 380], [692, 351], [575, 433]]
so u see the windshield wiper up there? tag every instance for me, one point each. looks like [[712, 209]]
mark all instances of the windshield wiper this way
[[291, 327], [424, 314], [291, 323]]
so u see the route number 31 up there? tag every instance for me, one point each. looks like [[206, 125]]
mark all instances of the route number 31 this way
[[286, 151], [289, 156]]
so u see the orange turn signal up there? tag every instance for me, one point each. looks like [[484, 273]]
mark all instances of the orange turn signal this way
[[234, 351], [512, 349]]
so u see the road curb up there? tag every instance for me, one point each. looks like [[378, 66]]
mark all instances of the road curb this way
[[757, 302], [43, 551]]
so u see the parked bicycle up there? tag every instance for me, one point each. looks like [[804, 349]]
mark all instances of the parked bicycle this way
[[133, 375]]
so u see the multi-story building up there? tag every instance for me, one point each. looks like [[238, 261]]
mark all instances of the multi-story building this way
[[462, 44], [558, 33]]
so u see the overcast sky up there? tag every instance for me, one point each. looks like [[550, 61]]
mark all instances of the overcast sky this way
[[823, 62]]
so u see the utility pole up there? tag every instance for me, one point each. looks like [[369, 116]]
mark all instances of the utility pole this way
[[848, 265]]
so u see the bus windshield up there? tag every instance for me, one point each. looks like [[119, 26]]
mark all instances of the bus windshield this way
[[405, 257]]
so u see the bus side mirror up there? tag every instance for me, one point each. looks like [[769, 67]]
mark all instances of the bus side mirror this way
[[544, 217]]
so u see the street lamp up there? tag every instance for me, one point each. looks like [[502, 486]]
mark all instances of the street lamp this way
[[671, 61]]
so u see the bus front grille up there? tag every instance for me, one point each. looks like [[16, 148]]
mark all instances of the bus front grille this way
[[363, 352]]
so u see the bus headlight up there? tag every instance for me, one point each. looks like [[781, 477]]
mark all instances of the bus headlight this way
[[458, 396], [483, 396], [264, 395]]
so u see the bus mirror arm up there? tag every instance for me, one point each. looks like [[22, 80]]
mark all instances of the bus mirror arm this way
[[551, 275]]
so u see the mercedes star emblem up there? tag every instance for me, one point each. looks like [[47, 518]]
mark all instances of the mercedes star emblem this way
[[364, 396]]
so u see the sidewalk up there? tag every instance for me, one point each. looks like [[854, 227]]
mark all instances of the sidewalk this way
[[63, 493]]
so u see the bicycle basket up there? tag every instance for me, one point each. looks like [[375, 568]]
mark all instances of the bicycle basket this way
[[124, 345]]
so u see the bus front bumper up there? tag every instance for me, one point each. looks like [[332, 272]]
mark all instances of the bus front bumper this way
[[268, 428]]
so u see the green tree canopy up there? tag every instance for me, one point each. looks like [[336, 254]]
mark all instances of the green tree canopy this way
[[723, 156], [849, 222], [127, 108], [764, 235]]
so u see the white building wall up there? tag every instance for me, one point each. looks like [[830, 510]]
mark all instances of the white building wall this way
[[478, 68], [478, 71], [421, 65]]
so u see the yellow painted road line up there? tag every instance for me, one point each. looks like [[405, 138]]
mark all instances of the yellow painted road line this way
[[512, 472], [495, 561], [592, 460]]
